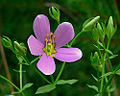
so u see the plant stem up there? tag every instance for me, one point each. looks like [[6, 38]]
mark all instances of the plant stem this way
[[5, 64], [42, 76], [75, 38], [52, 78], [9, 82], [61, 70], [20, 76], [102, 80], [118, 67]]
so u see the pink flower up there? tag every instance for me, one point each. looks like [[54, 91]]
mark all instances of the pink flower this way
[[48, 44]]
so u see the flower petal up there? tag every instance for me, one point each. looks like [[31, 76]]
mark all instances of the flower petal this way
[[46, 65], [41, 27], [68, 54], [35, 46], [63, 34]]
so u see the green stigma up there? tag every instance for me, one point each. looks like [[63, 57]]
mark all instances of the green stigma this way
[[49, 48]]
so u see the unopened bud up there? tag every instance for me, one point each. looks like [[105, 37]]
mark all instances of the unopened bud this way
[[110, 30], [20, 48], [6, 42], [90, 22], [55, 13]]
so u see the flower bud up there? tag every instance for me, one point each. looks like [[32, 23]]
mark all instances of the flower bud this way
[[6, 42], [95, 61], [101, 32], [110, 30], [90, 22], [95, 34], [55, 13], [20, 48]]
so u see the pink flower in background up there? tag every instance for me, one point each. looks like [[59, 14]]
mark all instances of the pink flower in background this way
[[48, 44]]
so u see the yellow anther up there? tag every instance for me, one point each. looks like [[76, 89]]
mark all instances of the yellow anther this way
[[52, 55], [46, 40], [47, 35], [51, 34], [50, 40]]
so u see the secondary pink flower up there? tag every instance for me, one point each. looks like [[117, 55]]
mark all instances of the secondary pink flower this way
[[48, 44]]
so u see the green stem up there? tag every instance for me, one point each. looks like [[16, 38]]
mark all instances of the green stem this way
[[52, 78], [20, 76], [33, 61], [42, 76], [28, 62], [102, 80], [9, 82], [118, 67], [75, 38], [61, 70], [109, 62]]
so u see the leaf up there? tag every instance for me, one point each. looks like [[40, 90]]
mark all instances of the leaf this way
[[112, 89], [27, 86], [107, 74], [113, 56], [94, 78], [45, 89], [110, 52], [118, 72], [15, 93], [62, 82], [100, 44], [93, 87], [18, 70]]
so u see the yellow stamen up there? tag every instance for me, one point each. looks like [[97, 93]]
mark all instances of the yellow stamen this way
[[51, 34], [50, 40], [46, 40], [47, 35]]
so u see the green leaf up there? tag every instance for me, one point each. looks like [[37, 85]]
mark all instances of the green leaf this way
[[62, 82], [94, 78], [118, 72], [113, 56], [107, 74], [18, 70], [27, 86], [45, 89], [100, 44], [93, 87], [15, 93], [113, 88], [110, 52]]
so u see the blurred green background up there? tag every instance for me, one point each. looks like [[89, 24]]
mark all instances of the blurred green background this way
[[16, 22]]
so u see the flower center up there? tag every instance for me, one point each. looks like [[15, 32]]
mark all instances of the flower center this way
[[49, 48]]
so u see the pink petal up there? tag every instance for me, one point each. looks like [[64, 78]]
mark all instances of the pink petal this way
[[68, 54], [46, 65], [35, 46], [63, 34], [41, 27]]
